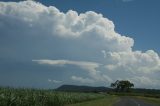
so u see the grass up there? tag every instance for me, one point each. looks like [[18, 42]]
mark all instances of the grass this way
[[107, 101], [35, 97], [135, 94], [151, 100]]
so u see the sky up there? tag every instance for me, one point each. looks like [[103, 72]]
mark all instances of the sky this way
[[48, 43]]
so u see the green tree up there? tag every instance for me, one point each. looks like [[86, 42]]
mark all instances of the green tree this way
[[122, 86]]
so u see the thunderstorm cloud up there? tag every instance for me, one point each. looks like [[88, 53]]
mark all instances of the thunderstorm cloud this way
[[31, 31]]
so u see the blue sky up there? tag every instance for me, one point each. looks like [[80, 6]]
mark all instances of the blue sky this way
[[95, 44]]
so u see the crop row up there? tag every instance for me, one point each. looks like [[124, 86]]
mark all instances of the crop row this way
[[34, 97]]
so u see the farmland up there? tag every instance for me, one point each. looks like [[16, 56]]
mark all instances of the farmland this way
[[49, 97], [35, 97]]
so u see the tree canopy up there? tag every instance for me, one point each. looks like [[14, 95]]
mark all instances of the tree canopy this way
[[122, 86]]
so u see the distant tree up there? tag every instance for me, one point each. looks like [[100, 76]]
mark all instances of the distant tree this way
[[122, 86]]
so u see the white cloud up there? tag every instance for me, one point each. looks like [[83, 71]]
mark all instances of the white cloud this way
[[90, 67], [70, 25], [38, 31], [104, 53], [111, 67], [54, 81], [148, 61], [143, 81], [82, 80], [49, 80]]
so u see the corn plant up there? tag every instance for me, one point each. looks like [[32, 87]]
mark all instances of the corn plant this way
[[35, 97]]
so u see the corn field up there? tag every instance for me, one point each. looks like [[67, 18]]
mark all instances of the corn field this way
[[35, 97]]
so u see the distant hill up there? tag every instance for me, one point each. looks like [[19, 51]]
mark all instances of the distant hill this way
[[75, 88]]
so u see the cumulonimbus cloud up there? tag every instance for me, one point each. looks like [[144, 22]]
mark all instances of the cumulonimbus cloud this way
[[70, 25], [35, 29]]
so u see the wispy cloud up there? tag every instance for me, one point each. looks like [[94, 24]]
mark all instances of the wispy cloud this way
[[54, 81], [82, 80], [104, 53], [90, 67]]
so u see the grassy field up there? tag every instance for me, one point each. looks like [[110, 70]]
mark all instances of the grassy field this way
[[151, 100], [34, 97], [107, 101]]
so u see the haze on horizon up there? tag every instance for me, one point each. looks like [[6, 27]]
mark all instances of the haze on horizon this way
[[43, 46]]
